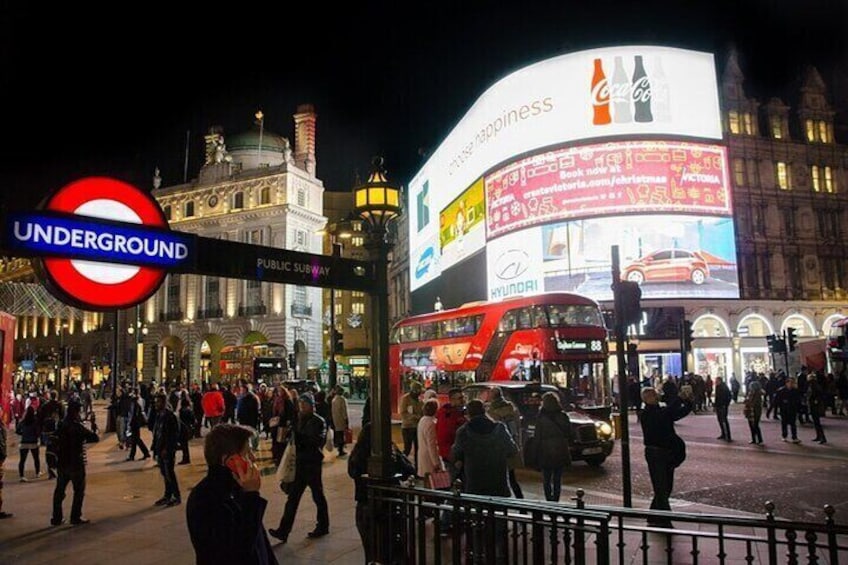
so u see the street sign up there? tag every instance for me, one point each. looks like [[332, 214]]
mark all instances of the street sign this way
[[101, 243]]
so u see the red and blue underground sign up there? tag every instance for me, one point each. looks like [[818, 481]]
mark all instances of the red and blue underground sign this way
[[100, 243]]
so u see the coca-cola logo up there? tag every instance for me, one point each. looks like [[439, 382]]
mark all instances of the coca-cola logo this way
[[641, 90], [600, 93], [620, 92]]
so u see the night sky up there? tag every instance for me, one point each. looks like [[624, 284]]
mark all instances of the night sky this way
[[112, 90]]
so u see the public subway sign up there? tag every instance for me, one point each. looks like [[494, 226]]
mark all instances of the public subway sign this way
[[102, 244]]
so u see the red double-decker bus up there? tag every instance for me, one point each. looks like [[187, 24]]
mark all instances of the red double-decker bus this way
[[556, 338]]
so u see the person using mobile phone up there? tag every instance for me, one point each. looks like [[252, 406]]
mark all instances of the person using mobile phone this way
[[225, 511]]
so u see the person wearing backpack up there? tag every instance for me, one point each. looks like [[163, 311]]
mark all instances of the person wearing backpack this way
[[553, 433]]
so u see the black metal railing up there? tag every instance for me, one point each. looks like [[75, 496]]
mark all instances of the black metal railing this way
[[252, 310], [408, 523], [170, 316], [210, 313], [300, 310]]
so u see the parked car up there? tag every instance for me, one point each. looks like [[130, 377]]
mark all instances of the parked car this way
[[667, 265], [592, 437]]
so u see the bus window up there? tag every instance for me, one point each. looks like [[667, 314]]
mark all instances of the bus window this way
[[429, 331], [409, 333], [394, 336], [448, 328], [525, 319], [540, 317], [507, 323]]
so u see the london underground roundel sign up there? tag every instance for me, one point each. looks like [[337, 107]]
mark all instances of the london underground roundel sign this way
[[73, 228]]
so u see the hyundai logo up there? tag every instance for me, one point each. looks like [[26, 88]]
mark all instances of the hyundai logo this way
[[512, 264]]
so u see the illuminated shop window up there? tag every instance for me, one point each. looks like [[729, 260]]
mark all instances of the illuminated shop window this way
[[783, 180]]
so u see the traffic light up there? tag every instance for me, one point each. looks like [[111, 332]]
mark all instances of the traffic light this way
[[629, 295], [775, 344], [791, 340], [291, 361]]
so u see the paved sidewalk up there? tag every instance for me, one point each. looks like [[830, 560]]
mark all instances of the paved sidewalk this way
[[127, 528]]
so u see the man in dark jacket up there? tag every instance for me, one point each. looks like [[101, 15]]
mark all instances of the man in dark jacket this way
[[247, 411], [224, 511], [787, 400], [71, 437], [664, 449], [135, 420], [482, 448], [310, 433], [722, 405], [230, 402], [166, 436]]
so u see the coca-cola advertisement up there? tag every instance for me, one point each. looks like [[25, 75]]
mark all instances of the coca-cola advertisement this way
[[632, 177], [631, 93]]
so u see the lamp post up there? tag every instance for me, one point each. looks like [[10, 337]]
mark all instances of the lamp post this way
[[62, 326], [377, 203], [338, 231], [138, 330]]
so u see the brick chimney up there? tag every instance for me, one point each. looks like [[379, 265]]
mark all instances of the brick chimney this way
[[304, 138]]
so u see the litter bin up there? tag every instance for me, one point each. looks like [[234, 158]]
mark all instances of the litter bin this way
[[616, 425]]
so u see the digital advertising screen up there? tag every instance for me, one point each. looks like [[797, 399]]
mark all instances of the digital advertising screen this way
[[617, 144]]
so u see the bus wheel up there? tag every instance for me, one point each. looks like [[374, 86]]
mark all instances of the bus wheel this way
[[595, 461]]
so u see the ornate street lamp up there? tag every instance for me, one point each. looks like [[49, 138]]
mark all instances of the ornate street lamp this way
[[378, 203]]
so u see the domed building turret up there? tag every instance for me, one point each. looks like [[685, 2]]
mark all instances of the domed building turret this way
[[257, 148]]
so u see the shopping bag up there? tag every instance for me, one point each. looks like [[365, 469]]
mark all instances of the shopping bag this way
[[288, 465], [438, 480], [348, 436]]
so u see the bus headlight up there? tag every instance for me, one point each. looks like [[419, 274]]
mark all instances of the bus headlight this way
[[604, 429]]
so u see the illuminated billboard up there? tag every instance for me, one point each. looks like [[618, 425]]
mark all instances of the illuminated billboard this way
[[606, 180], [462, 226], [569, 156], [610, 92]]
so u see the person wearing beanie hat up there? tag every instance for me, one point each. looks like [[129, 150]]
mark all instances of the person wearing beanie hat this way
[[309, 435]]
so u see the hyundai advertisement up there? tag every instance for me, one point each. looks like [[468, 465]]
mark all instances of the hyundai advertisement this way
[[613, 146]]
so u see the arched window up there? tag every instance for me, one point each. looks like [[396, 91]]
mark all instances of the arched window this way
[[710, 325], [754, 325], [802, 326]]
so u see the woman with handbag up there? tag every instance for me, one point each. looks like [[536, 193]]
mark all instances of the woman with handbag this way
[[429, 461], [553, 433], [28, 430]]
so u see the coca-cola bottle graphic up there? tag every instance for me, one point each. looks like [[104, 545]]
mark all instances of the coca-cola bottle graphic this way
[[600, 96], [620, 94], [659, 92], [641, 93]]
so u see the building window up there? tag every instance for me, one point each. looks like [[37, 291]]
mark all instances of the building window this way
[[748, 123], [338, 294], [189, 209], [828, 272], [173, 297], [766, 270], [357, 241], [300, 238], [823, 220], [829, 181], [753, 172], [759, 211], [823, 132], [357, 294], [253, 292], [301, 197], [810, 128], [733, 121], [238, 200], [789, 221], [212, 295], [357, 307], [339, 310], [300, 296], [253, 236], [783, 179], [776, 127], [167, 211], [265, 195], [739, 172], [815, 173], [793, 266]]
